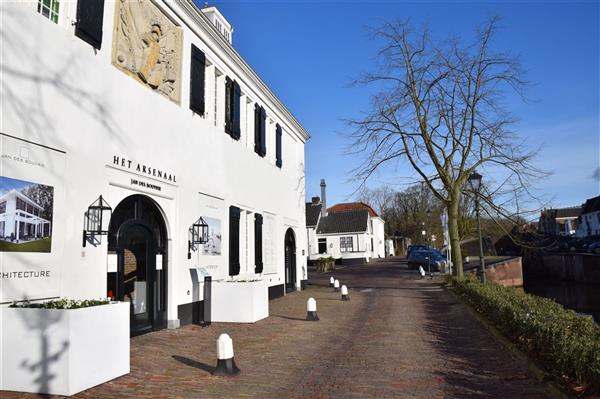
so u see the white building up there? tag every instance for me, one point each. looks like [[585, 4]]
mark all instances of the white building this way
[[148, 105], [352, 233], [20, 219], [588, 224]]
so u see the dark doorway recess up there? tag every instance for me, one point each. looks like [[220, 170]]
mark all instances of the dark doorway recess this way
[[138, 237], [290, 260]]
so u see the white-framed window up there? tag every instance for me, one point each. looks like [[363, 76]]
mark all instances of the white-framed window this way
[[346, 244], [49, 9]]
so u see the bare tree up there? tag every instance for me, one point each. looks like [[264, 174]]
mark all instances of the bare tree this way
[[439, 109]]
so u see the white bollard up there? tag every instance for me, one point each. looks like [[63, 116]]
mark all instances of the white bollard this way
[[422, 271], [336, 285], [311, 310], [331, 281], [345, 296], [225, 360]]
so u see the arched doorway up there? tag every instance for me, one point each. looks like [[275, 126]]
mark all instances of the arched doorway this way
[[138, 238], [290, 260]]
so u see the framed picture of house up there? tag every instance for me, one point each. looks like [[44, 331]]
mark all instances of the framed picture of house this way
[[213, 246], [26, 210]]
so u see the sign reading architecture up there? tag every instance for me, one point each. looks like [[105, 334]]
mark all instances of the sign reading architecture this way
[[147, 46]]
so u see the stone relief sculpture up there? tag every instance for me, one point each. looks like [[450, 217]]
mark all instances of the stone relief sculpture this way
[[147, 46]]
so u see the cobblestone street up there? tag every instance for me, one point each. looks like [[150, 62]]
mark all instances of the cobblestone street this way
[[397, 337]]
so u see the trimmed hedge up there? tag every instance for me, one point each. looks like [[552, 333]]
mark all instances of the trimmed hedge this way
[[566, 343]]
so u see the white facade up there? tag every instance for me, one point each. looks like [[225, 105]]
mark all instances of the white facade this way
[[378, 236], [74, 121], [589, 224]]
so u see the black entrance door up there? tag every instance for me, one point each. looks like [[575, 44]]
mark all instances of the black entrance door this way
[[137, 260], [137, 236], [290, 261]]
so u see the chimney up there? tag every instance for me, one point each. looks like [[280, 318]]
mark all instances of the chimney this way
[[316, 200], [323, 199]]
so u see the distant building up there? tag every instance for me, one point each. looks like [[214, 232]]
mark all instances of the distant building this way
[[349, 232], [589, 220], [559, 222]]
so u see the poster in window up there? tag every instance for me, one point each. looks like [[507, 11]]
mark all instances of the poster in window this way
[[25, 216], [213, 246]]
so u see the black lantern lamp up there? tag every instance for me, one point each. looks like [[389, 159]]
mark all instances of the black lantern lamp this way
[[475, 181], [198, 235], [98, 214]]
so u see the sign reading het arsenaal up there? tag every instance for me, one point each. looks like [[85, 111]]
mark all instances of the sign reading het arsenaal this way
[[30, 194]]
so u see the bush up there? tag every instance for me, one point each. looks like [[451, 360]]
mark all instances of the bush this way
[[565, 343], [63, 304]]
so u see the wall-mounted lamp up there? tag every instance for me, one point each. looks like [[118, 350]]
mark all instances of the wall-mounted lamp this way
[[198, 233], [97, 214]]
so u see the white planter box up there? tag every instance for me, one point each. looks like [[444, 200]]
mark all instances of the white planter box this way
[[63, 351], [239, 302]]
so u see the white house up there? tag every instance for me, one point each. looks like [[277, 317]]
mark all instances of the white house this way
[[20, 218], [588, 223], [147, 105], [349, 232]]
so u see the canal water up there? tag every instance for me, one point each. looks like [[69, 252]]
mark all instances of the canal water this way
[[583, 298]]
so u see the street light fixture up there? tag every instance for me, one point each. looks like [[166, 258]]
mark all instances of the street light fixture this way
[[475, 184]]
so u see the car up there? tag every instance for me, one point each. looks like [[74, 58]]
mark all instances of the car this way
[[416, 248], [594, 247], [428, 258]]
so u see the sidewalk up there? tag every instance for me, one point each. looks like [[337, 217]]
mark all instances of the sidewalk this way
[[397, 337]]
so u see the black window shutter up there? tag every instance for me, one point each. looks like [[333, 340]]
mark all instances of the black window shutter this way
[[258, 259], [279, 134], [237, 94], [263, 132], [228, 106], [197, 72], [90, 15], [257, 129], [234, 241]]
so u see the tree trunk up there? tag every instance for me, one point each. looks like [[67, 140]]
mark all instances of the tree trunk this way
[[454, 236]]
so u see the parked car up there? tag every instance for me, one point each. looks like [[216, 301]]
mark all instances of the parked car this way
[[594, 247], [426, 258], [416, 248]]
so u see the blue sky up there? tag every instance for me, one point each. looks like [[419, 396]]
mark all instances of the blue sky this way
[[308, 53], [7, 184]]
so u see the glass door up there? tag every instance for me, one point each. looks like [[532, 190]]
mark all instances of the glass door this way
[[138, 277]]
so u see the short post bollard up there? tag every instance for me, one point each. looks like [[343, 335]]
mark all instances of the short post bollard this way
[[345, 296], [225, 361], [422, 271], [336, 285], [311, 310], [331, 281]]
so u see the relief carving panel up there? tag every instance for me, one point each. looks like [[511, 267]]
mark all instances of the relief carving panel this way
[[147, 46]]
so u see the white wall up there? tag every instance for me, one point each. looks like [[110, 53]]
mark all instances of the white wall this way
[[59, 92], [378, 237]]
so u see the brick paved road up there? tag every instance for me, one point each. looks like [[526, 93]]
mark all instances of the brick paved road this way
[[398, 337]]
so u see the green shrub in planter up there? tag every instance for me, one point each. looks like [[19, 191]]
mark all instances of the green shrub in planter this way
[[566, 343], [63, 303]]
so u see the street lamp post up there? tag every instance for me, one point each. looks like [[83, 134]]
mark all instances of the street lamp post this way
[[475, 184]]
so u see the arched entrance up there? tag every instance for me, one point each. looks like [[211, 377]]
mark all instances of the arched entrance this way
[[138, 238], [290, 260]]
